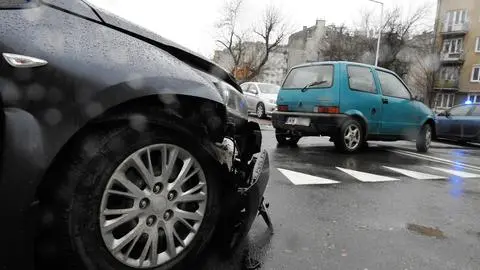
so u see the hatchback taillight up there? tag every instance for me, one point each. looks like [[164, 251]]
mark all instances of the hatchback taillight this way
[[321, 109], [282, 108]]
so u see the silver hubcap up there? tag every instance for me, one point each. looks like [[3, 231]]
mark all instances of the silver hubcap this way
[[260, 111], [352, 137], [428, 137], [153, 205]]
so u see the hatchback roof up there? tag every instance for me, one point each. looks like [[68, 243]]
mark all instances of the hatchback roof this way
[[341, 62]]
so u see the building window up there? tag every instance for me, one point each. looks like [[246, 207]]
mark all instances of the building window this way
[[476, 74], [444, 101], [456, 17], [474, 98], [448, 74], [453, 45], [477, 45]]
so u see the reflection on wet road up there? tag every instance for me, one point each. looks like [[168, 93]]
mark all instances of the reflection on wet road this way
[[379, 209]]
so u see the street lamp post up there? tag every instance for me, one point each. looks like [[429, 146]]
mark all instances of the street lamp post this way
[[379, 31]]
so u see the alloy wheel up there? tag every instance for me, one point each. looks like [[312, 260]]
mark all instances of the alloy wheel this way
[[352, 137], [260, 111], [153, 205], [428, 137]]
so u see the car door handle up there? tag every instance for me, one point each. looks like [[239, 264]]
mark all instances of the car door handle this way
[[385, 100]]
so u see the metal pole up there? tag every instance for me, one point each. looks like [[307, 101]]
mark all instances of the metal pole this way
[[379, 36], [379, 32]]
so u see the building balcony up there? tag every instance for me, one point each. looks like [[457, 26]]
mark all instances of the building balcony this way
[[452, 58], [442, 84], [454, 29]]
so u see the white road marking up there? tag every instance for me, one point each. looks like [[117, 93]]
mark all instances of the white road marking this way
[[457, 173], [367, 177], [305, 179], [416, 175], [435, 159]]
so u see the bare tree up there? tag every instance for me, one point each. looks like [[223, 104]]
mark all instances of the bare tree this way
[[231, 37], [341, 44], [272, 30], [249, 56], [397, 31], [423, 66]]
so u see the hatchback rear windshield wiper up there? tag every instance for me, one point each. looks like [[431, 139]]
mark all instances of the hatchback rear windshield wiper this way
[[304, 89]]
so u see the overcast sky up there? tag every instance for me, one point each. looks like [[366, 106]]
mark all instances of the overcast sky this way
[[191, 23]]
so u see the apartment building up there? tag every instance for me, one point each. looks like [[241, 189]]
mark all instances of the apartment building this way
[[304, 45], [458, 45]]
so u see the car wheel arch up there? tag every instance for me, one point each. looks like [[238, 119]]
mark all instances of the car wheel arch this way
[[431, 122], [359, 117], [126, 113]]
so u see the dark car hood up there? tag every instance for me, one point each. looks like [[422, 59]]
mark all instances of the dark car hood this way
[[191, 58]]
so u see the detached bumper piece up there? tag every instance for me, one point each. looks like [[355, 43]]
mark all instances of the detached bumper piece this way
[[245, 204]]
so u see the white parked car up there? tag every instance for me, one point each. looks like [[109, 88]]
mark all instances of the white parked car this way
[[261, 97]]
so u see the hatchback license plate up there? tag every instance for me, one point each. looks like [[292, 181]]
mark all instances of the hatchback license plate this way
[[298, 121]]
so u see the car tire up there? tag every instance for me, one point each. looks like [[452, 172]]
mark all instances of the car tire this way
[[424, 138], [350, 138], [261, 111], [285, 139], [72, 200]]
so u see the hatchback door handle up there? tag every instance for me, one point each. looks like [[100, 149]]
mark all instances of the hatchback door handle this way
[[385, 100]]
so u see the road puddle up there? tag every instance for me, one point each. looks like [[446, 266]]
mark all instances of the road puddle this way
[[427, 231]]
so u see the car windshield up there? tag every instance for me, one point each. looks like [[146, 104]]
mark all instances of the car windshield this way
[[240, 134], [268, 88]]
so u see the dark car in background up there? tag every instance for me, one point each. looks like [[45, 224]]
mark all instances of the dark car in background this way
[[120, 149], [461, 123]]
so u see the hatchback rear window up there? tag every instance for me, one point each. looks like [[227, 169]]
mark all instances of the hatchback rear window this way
[[303, 76], [17, 4]]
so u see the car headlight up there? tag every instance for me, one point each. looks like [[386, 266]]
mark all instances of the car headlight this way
[[233, 99], [273, 101]]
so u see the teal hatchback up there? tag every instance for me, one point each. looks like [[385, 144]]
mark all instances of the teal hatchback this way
[[351, 103]]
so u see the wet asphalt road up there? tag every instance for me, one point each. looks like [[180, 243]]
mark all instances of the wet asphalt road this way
[[424, 217]]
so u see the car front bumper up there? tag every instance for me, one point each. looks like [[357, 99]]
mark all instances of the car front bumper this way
[[242, 206], [320, 123]]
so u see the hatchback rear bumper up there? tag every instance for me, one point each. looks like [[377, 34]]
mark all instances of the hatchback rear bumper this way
[[320, 123]]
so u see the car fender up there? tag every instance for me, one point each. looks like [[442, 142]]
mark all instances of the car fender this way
[[23, 152], [32, 143], [359, 115], [38, 141], [430, 119]]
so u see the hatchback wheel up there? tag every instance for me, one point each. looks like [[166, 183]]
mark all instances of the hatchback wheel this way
[[137, 200], [424, 138], [350, 138], [261, 110]]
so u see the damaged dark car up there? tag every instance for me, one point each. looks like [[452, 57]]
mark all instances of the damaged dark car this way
[[120, 149]]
